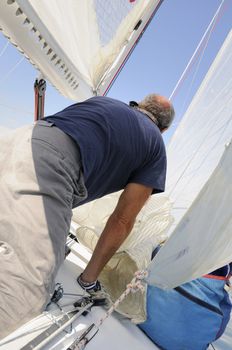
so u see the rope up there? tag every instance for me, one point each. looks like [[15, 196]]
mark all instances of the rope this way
[[135, 285]]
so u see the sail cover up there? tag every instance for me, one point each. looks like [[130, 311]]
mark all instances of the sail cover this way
[[201, 194], [79, 46]]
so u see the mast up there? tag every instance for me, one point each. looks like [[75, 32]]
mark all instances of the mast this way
[[39, 89]]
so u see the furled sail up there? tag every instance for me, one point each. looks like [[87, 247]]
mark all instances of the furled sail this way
[[201, 194], [79, 46]]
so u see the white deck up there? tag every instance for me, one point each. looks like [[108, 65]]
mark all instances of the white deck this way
[[114, 334]]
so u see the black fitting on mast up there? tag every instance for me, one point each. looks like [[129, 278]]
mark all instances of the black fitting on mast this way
[[39, 88]]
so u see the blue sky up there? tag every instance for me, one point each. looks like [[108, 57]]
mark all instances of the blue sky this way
[[155, 65]]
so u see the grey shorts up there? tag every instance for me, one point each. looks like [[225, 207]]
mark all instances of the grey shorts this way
[[41, 181]]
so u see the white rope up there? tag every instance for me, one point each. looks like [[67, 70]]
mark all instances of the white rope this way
[[135, 285]]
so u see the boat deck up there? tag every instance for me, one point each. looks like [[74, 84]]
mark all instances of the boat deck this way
[[115, 333]]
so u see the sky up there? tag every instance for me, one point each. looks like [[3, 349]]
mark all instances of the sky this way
[[155, 65]]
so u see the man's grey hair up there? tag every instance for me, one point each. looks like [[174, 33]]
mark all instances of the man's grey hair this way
[[161, 109]]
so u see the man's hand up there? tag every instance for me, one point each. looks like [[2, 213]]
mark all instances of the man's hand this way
[[117, 228]]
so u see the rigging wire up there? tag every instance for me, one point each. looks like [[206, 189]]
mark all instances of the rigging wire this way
[[12, 69], [201, 55], [16, 109], [4, 48], [209, 30], [196, 51]]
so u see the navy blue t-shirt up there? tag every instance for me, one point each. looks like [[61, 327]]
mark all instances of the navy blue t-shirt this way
[[118, 144]]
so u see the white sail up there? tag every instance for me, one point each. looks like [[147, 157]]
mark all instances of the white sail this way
[[199, 140], [202, 240], [79, 46]]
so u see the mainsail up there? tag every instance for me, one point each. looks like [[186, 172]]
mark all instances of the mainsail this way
[[79, 46], [201, 241]]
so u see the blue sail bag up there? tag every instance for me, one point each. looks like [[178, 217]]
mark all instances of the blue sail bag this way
[[189, 317]]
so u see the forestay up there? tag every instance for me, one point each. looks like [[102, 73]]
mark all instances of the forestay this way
[[79, 46]]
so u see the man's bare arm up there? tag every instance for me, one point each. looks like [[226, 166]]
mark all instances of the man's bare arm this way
[[117, 228]]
